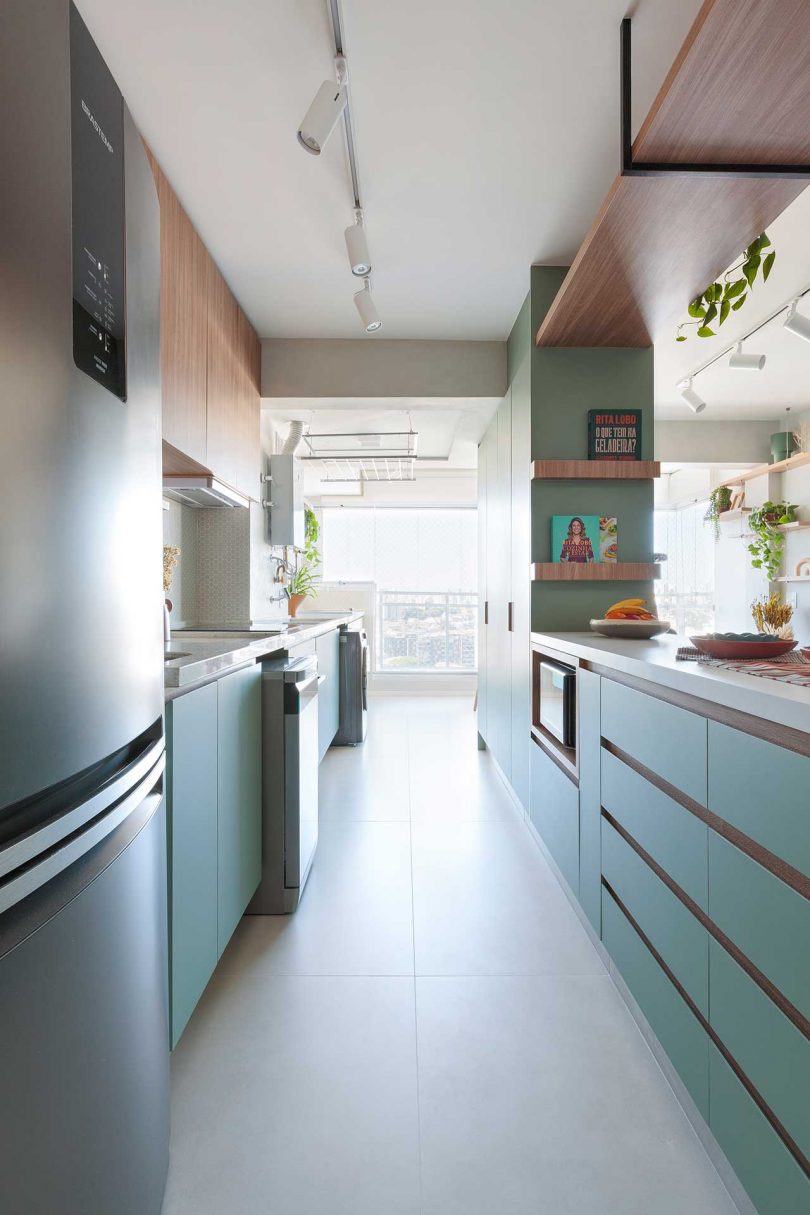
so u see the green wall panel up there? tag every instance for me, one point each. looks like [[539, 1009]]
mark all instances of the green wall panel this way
[[773, 1179], [566, 384]]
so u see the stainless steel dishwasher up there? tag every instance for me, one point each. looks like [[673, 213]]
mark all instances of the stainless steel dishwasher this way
[[289, 782]]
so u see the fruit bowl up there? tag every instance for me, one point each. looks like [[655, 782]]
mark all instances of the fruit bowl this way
[[635, 630], [742, 647]]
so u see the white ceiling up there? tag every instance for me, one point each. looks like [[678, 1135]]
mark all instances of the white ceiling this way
[[785, 378], [447, 429], [487, 137]]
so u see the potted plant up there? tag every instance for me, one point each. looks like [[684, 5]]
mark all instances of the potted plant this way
[[719, 503], [773, 615], [768, 542], [303, 581]]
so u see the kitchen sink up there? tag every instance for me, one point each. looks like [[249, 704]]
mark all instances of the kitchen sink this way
[[170, 655]]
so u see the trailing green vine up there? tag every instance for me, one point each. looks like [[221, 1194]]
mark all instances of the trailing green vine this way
[[719, 299], [768, 542]]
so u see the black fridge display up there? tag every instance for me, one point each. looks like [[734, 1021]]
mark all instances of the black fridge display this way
[[83, 1005]]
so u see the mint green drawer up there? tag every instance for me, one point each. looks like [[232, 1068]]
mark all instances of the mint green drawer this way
[[555, 814], [767, 920], [676, 1027], [774, 1181], [680, 939], [763, 790], [669, 741], [590, 829], [771, 1051], [676, 839]]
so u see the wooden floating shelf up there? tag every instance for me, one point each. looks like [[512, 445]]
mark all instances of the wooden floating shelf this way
[[796, 526], [595, 571], [727, 515], [657, 241], [795, 578], [798, 461], [595, 470]]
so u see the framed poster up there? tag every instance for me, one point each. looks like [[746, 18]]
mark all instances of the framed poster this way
[[614, 434]]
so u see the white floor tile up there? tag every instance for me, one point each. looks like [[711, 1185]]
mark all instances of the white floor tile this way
[[539, 1095], [355, 917], [486, 903], [296, 1095], [307, 1082]]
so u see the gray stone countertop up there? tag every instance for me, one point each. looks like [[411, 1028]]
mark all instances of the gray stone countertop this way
[[208, 654]]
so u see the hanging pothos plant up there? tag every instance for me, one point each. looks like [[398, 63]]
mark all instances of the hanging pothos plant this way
[[719, 299]]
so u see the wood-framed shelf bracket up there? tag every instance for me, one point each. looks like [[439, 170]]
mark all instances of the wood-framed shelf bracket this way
[[635, 168]]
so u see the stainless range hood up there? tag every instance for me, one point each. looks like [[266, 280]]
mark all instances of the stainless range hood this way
[[202, 491]]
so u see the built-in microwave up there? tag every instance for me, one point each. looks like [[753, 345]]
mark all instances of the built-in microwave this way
[[557, 700]]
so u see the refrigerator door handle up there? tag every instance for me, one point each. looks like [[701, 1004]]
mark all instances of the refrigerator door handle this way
[[36, 842], [53, 862]]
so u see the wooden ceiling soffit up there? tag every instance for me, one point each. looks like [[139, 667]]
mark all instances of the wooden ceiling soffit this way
[[736, 94]]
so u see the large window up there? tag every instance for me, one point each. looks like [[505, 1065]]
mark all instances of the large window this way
[[424, 563], [686, 592]]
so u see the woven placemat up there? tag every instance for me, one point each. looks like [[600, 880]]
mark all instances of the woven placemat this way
[[794, 658]]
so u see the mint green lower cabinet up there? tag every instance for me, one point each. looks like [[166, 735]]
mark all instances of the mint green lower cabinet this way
[[774, 1181], [191, 801], [675, 933], [678, 1030], [763, 790], [770, 1050], [676, 839], [328, 650], [670, 741], [555, 814], [590, 838], [239, 776], [767, 920]]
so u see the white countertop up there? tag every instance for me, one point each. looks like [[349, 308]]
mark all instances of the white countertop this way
[[206, 657], [655, 661]]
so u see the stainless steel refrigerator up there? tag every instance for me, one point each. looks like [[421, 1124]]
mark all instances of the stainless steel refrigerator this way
[[83, 1005]]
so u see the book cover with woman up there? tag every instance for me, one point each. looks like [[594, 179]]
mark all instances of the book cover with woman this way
[[575, 539]]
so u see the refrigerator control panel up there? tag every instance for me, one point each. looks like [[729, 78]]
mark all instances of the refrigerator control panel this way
[[98, 224]]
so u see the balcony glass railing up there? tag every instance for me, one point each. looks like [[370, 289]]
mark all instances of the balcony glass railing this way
[[427, 631]]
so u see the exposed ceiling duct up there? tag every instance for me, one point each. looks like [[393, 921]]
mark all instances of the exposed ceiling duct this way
[[293, 439]]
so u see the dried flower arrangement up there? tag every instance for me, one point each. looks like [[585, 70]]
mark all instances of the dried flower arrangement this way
[[773, 615], [171, 554]]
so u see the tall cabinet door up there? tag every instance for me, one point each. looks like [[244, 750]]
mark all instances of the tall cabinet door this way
[[520, 531], [500, 568], [482, 587]]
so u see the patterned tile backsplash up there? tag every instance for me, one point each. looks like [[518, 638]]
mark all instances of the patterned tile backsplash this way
[[225, 571]]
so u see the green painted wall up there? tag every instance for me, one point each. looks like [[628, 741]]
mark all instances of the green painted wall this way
[[565, 384]]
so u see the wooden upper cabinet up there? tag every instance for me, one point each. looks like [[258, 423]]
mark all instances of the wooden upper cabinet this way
[[183, 325], [249, 471], [224, 379]]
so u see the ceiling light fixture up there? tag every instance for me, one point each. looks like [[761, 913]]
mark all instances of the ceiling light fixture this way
[[322, 116], [357, 246], [688, 394], [796, 323], [746, 362], [365, 306]]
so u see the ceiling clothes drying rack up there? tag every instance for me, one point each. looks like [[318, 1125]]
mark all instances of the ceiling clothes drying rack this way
[[364, 455]]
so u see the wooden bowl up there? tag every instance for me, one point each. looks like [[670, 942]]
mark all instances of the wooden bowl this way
[[742, 649], [634, 630]]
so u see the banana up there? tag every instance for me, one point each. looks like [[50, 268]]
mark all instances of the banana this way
[[627, 603]]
